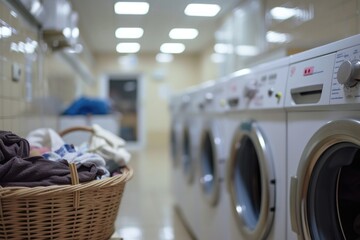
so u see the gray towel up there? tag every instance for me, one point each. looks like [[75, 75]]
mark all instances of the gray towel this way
[[37, 171], [12, 145]]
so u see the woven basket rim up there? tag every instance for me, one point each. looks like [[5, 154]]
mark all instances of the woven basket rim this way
[[20, 192]]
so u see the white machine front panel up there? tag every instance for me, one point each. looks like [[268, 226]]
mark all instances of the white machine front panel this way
[[267, 89], [309, 82], [220, 103], [339, 93], [235, 90]]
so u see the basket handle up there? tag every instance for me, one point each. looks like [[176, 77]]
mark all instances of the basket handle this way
[[75, 180], [76, 128]]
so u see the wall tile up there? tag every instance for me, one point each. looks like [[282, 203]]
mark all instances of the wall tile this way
[[17, 113]]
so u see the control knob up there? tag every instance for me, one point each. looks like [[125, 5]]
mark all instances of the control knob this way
[[209, 97], [251, 90], [349, 73]]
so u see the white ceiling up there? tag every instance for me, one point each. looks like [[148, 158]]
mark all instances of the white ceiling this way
[[98, 22]]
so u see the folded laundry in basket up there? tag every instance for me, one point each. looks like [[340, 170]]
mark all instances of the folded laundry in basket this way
[[12, 145], [45, 137], [37, 171], [108, 145], [69, 153]]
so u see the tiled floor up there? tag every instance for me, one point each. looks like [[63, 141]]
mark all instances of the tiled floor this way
[[147, 210]]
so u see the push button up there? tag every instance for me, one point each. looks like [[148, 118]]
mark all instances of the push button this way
[[278, 96], [270, 92]]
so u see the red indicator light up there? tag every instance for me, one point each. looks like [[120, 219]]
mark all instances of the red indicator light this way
[[308, 71]]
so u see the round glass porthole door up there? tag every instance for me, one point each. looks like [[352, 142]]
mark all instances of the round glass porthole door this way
[[173, 144], [209, 173], [251, 182], [329, 176], [186, 156]]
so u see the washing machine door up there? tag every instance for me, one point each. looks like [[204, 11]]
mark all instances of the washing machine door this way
[[251, 181], [325, 194], [210, 147], [186, 156], [174, 142]]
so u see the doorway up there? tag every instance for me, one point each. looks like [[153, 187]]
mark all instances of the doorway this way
[[125, 94]]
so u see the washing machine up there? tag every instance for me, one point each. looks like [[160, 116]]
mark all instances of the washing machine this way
[[190, 139], [233, 119], [323, 111], [257, 162], [175, 136], [212, 156]]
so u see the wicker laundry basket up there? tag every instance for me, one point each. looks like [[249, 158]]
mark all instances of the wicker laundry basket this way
[[77, 211]]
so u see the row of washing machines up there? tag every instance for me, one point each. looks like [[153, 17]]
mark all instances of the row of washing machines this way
[[272, 152]]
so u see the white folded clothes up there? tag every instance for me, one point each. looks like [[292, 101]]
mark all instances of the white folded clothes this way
[[108, 145], [69, 153], [45, 137]]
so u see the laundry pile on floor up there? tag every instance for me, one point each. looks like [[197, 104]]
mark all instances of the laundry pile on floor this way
[[43, 158]]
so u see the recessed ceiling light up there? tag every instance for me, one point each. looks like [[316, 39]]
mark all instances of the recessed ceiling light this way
[[202, 10], [128, 47], [5, 32], [183, 33], [164, 57], [129, 32], [172, 47], [283, 13], [133, 8]]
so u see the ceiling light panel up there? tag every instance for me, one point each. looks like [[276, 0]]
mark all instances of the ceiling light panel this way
[[282, 13], [128, 47], [129, 32], [132, 8], [172, 48], [202, 10], [183, 33]]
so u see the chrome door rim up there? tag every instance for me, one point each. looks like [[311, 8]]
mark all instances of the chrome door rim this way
[[252, 130], [187, 170], [213, 197], [332, 133]]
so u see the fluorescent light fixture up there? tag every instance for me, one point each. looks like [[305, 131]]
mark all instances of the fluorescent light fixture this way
[[67, 32], [132, 8], [283, 13], [247, 50], [128, 47], [5, 32], [129, 32], [202, 10], [223, 48], [164, 57], [276, 37], [183, 33], [75, 32], [172, 48]]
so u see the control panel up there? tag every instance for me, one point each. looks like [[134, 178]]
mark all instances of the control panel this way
[[266, 89], [235, 89], [309, 81], [345, 87]]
